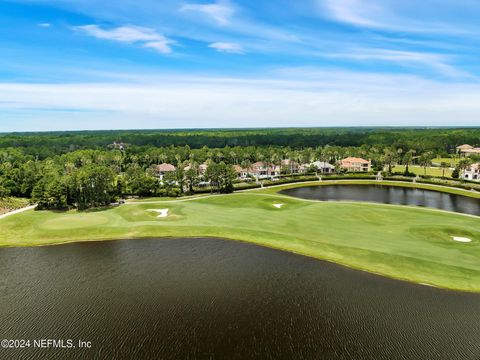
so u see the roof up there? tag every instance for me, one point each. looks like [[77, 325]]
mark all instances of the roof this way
[[239, 169], [165, 167], [465, 146], [355, 160], [260, 164], [322, 164], [472, 150]]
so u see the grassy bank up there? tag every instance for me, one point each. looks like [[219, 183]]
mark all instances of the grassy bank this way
[[413, 244], [419, 170], [8, 204]]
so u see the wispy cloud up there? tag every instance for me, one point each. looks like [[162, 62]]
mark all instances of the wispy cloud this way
[[130, 34], [353, 11], [220, 11], [227, 47], [45, 25], [437, 62], [426, 16], [299, 97]]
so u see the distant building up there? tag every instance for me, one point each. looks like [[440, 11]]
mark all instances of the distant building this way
[[118, 146], [162, 169], [471, 173], [467, 150], [354, 164], [323, 167]]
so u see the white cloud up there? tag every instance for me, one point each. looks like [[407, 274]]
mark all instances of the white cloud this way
[[430, 16], [353, 11], [227, 47], [130, 34], [220, 11], [160, 46], [292, 97], [438, 62], [45, 25]]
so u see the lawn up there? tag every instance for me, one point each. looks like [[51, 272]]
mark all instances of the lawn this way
[[413, 244], [451, 161], [418, 170]]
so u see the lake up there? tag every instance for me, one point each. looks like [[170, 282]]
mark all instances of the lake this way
[[388, 195], [218, 299]]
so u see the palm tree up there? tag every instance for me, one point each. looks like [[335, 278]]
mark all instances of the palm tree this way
[[407, 160], [444, 166]]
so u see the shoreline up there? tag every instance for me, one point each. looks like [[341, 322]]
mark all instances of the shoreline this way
[[277, 248], [321, 249]]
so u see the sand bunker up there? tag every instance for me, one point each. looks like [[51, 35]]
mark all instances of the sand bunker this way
[[462, 239], [161, 212], [278, 206]]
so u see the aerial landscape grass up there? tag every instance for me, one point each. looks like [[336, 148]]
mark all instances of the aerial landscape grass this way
[[401, 242]]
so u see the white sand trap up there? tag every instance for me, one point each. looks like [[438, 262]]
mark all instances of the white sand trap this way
[[278, 206], [462, 239], [161, 212]]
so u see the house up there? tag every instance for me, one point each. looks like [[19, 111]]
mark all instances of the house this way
[[467, 150], [473, 151], [202, 169], [162, 169], [463, 147], [471, 173], [291, 166], [323, 167], [118, 146], [241, 172], [263, 170], [354, 164]]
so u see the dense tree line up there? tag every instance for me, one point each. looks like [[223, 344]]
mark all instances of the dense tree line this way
[[90, 169], [441, 140]]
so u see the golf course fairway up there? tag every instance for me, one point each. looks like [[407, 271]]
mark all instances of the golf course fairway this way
[[401, 242]]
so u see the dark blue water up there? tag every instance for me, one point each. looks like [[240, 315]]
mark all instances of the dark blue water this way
[[389, 195], [215, 299]]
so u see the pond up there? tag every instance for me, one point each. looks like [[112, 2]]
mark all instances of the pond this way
[[218, 299], [388, 195]]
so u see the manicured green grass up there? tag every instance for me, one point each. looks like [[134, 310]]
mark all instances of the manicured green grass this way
[[451, 161], [413, 244], [418, 170]]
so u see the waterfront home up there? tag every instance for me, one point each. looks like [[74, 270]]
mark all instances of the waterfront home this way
[[471, 173], [355, 164], [242, 173], [322, 167], [289, 166], [467, 150], [264, 170], [162, 169]]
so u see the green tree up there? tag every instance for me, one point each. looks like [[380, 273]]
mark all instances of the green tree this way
[[92, 186]]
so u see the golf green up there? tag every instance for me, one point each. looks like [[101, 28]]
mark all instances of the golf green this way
[[414, 244]]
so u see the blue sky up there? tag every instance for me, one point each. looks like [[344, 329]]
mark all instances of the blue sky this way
[[88, 64]]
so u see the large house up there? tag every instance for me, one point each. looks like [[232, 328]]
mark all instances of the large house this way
[[263, 170], [293, 167], [323, 167], [468, 150], [242, 173], [354, 164], [162, 169], [202, 169], [471, 173]]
